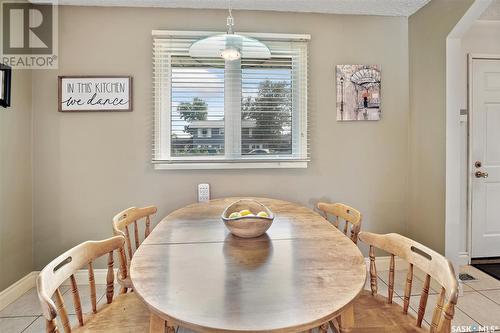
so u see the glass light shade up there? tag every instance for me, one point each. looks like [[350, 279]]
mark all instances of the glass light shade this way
[[229, 46]]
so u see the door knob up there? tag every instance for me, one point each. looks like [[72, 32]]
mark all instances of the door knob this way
[[480, 174]]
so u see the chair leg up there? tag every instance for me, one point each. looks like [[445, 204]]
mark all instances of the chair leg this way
[[156, 324], [346, 320]]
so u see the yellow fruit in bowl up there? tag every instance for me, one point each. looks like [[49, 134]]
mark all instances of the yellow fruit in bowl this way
[[245, 212], [262, 214], [234, 215]]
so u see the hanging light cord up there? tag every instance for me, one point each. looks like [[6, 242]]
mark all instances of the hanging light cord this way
[[230, 19]]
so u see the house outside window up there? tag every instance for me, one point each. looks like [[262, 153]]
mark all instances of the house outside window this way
[[204, 132], [244, 113]]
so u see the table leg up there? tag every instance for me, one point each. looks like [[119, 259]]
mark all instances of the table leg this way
[[156, 324], [346, 320]]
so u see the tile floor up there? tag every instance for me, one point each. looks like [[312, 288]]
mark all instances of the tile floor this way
[[479, 305], [25, 315]]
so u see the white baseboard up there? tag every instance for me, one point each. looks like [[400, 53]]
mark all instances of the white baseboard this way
[[17, 289], [463, 259]]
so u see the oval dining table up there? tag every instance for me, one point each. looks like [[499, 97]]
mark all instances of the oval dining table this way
[[300, 275]]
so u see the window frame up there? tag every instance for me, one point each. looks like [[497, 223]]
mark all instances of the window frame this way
[[162, 86]]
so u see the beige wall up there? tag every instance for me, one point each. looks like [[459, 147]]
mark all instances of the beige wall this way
[[483, 37], [16, 250], [428, 29], [88, 166]]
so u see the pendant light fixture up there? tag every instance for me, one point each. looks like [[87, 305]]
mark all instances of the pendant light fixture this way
[[229, 46]]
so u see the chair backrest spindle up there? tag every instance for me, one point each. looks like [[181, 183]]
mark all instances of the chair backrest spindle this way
[[61, 309], [136, 235], [423, 300], [129, 242], [391, 280], [76, 300], [409, 281], [373, 271], [147, 229], [449, 313], [438, 311], [51, 326], [110, 279], [93, 298], [336, 220], [123, 268]]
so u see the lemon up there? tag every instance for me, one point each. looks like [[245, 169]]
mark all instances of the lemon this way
[[245, 212], [234, 215], [262, 214]]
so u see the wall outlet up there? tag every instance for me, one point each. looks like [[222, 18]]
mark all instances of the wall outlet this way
[[203, 192]]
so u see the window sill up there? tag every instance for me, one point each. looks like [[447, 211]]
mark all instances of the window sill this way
[[227, 165]]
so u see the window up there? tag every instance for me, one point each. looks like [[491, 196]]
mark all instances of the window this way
[[236, 114], [202, 133]]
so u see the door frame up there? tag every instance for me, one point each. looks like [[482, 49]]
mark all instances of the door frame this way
[[454, 91], [470, 58]]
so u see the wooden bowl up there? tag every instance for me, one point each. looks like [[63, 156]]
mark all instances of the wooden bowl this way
[[247, 226]]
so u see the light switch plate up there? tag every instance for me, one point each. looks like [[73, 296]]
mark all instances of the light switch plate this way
[[203, 192]]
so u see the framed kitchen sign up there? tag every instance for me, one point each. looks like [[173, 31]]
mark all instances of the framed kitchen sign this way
[[95, 93]]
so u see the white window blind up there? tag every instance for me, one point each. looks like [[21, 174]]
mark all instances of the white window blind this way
[[196, 107], [215, 114]]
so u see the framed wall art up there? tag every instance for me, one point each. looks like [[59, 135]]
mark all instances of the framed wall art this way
[[95, 93], [358, 92]]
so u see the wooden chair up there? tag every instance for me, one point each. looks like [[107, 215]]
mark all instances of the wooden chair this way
[[124, 313], [375, 313], [121, 223], [352, 223], [351, 217]]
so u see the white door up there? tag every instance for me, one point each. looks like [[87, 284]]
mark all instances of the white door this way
[[485, 153]]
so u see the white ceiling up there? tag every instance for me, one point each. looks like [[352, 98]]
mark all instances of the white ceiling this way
[[493, 12], [361, 7]]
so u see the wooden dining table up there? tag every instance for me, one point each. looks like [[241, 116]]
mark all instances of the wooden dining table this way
[[301, 274]]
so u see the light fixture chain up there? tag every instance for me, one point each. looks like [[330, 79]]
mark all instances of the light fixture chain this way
[[230, 19]]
